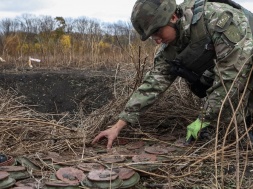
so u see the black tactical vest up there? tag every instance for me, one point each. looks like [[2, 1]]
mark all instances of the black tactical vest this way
[[196, 61], [199, 54]]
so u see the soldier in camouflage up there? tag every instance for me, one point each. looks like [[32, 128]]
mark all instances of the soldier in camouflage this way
[[209, 44]]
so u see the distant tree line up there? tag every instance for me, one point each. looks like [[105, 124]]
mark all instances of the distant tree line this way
[[80, 42]]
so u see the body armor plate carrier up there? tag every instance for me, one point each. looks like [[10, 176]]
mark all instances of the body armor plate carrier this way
[[199, 54]]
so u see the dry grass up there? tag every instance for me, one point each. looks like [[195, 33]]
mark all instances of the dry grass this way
[[24, 131], [204, 164]]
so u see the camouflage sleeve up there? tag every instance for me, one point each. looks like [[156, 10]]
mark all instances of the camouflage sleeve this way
[[232, 38], [154, 84]]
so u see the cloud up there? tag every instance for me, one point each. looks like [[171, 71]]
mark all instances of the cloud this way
[[23, 6], [104, 10], [243, 1]]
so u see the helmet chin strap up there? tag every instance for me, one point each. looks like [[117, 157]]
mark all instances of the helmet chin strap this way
[[176, 26], [173, 25]]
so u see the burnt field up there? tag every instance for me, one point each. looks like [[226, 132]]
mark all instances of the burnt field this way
[[60, 90]]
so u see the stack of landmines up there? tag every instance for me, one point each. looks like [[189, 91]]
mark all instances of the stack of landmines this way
[[121, 168]]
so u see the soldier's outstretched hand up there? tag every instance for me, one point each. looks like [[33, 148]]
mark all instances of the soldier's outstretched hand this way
[[111, 134]]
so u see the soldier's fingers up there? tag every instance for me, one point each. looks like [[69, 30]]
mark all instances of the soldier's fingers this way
[[97, 138], [109, 143]]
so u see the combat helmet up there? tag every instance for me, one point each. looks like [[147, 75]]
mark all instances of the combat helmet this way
[[150, 15]]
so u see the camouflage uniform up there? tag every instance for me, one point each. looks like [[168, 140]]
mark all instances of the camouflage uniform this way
[[231, 37]]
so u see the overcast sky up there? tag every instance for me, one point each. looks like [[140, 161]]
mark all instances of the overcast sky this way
[[103, 10]]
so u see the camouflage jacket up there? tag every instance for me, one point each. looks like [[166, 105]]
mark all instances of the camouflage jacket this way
[[233, 46]]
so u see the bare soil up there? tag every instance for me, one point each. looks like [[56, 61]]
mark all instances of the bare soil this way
[[60, 90]]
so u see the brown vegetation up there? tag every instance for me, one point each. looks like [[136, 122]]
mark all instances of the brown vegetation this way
[[80, 42]]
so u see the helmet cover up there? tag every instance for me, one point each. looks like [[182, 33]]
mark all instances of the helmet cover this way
[[150, 15]]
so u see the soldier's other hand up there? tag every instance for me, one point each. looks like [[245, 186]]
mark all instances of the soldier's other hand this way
[[111, 134], [194, 128]]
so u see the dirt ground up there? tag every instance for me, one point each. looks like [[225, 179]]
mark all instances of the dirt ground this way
[[60, 90]]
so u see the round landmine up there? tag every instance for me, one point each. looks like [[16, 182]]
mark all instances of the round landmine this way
[[159, 150], [5, 180], [7, 160], [49, 162], [16, 172], [180, 143], [181, 146], [57, 184], [125, 173], [128, 176], [112, 159], [100, 151], [63, 161], [124, 151], [102, 179], [53, 161], [135, 145], [167, 138], [117, 183], [27, 162], [102, 175], [56, 158], [86, 167], [144, 157], [143, 168], [30, 182], [52, 155], [171, 149], [70, 175], [121, 141], [4, 175]]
